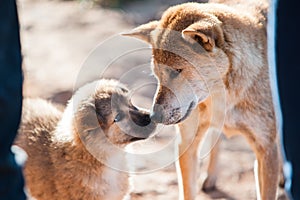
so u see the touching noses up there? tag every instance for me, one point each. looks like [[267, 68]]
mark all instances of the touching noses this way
[[157, 114]]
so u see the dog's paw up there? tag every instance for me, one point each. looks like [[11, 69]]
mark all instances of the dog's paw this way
[[209, 184], [281, 180]]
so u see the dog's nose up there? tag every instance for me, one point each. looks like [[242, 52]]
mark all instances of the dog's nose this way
[[157, 114]]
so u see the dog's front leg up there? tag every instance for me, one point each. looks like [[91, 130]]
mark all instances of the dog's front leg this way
[[209, 183], [268, 172], [192, 133]]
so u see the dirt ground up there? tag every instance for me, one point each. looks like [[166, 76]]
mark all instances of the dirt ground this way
[[58, 36]]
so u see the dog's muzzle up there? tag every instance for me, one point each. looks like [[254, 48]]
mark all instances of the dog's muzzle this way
[[158, 115]]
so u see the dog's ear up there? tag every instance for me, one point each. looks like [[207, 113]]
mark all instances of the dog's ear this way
[[143, 31], [207, 32]]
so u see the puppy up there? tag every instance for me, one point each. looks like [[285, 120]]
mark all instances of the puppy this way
[[77, 154], [211, 64]]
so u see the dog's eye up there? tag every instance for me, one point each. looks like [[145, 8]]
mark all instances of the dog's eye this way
[[175, 73], [178, 70], [119, 117]]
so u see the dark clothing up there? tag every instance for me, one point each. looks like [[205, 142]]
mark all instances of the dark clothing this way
[[288, 73], [11, 179]]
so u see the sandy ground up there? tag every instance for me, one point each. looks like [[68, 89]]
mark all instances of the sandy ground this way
[[59, 40]]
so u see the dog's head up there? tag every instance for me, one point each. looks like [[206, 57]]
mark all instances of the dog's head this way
[[188, 58], [104, 114]]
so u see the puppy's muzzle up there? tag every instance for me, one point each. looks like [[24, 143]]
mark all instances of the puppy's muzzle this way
[[143, 124], [140, 118]]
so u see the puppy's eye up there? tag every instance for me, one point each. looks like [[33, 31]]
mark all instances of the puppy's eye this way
[[119, 117]]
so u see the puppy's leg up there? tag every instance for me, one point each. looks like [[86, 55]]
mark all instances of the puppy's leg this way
[[267, 171], [187, 165]]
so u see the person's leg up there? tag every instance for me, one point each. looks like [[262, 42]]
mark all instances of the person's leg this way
[[288, 73], [11, 178]]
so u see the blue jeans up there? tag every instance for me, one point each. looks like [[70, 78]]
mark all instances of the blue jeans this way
[[11, 178]]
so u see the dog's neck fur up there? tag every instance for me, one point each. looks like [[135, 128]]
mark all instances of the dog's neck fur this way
[[238, 73]]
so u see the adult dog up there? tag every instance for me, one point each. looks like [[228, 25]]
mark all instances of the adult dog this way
[[211, 64]]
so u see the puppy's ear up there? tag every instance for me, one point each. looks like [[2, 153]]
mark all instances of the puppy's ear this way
[[143, 31], [207, 32]]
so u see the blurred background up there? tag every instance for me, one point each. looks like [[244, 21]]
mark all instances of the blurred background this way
[[60, 44]]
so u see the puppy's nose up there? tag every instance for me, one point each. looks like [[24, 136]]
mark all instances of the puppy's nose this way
[[157, 114], [142, 126], [140, 118]]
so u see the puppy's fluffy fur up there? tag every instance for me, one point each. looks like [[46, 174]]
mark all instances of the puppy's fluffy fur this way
[[70, 153]]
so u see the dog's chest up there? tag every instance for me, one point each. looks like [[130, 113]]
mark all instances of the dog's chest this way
[[233, 120], [230, 131]]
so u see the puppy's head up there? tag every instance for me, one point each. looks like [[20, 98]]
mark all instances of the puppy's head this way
[[104, 115], [188, 58]]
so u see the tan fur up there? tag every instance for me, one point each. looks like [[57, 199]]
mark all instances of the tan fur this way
[[69, 152], [215, 56]]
